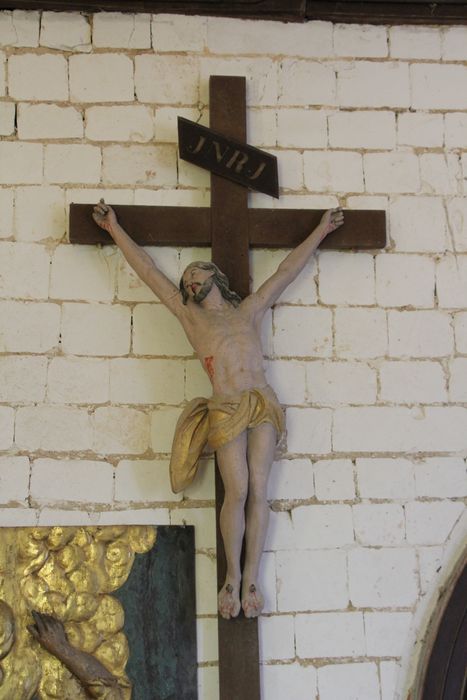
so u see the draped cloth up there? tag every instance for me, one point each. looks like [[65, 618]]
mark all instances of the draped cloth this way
[[216, 421]]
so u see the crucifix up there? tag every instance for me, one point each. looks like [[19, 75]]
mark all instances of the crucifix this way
[[231, 228]]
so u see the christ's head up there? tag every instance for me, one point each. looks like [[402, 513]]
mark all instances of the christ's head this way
[[198, 279]]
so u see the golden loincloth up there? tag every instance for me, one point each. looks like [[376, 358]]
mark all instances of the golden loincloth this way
[[217, 421]]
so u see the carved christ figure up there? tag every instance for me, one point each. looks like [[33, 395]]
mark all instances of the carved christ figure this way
[[242, 421]]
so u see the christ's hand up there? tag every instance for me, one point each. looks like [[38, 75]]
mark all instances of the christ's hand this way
[[331, 219], [104, 216]]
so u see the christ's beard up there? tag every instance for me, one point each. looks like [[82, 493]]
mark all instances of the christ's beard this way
[[204, 290]]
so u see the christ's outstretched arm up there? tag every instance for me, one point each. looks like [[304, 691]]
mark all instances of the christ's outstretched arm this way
[[296, 260], [140, 261]]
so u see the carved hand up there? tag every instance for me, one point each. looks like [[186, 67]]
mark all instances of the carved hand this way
[[331, 219], [104, 216], [50, 633]]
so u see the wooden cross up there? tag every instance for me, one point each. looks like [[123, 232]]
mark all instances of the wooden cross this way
[[230, 228]]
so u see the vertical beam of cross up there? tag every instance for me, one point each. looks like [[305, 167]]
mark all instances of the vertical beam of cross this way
[[238, 638]]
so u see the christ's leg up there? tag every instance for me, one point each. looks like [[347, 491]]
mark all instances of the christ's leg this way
[[261, 448], [233, 467]]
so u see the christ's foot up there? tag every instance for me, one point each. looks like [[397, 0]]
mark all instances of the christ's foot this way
[[252, 600], [229, 600]]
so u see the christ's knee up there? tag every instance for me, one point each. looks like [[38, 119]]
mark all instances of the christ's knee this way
[[236, 493]]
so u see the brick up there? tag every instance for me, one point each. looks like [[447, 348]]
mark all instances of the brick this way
[[39, 213], [46, 121], [370, 84], [415, 42], [38, 77], [322, 527], [196, 380], [405, 280], [137, 516], [437, 86], [457, 214], [334, 480], [14, 481], [458, 380], [208, 681], [261, 77], [20, 163], [206, 587], [303, 441], [326, 577], [22, 379], [92, 78], [146, 381], [19, 28], [131, 288], [77, 195], [67, 31], [346, 278], [290, 166], [140, 165], [291, 479], [460, 329], [330, 635], [203, 487], [280, 681], [15, 259], [70, 480], [454, 48], [303, 128], [306, 83], [388, 672], [189, 175], [333, 171], [367, 202], [391, 172], [167, 79], [418, 224], [29, 326], [78, 380], [277, 637], [385, 429], [455, 130], [288, 379], [120, 123], [14, 517], [348, 682], [206, 640], [381, 578], [336, 383], [267, 576], [166, 125], [143, 481], [57, 428], [163, 421], [2, 74], [379, 524], [7, 117], [230, 36], [412, 382], [302, 332], [360, 41], [389, 478], [83, 273], [365, 129], [148, 319], [72, 163], [419, 334], [120, 430], [431, 523], [441, 477], [430, 562], [302, 290], [387, 632], [118, 30], [360, 333], [6, 213], [204, 521], [7, 420], [178, 33], [451, 281], [420, 129], [95, 329], [439, 173], [281, 533]]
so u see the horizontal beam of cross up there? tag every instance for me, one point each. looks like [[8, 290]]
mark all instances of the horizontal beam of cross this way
[[191, 226]]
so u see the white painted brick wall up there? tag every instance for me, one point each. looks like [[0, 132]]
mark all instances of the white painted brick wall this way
[[367, 492]]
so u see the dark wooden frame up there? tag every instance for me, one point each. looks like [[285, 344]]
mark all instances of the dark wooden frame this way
[[367, 11]]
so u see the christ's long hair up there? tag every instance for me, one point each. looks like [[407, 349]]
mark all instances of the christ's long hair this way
[[220, 280]]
